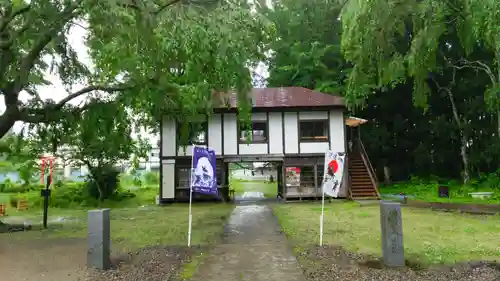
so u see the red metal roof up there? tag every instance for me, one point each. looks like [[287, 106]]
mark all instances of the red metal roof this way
[[281, 97]]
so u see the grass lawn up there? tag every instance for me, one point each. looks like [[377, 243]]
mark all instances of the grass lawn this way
[[133, 228], [270, 190], [4, 198], [429, 236], [429, 192]]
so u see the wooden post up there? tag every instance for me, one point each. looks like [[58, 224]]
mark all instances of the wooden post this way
[[2, 210]]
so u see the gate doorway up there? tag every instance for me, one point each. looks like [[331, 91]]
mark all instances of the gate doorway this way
[[255, 180]]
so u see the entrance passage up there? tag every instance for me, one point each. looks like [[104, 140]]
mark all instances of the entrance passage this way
[[255, 180], [254, 249]]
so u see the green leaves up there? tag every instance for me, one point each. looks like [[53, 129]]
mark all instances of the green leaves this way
[[306, 50], [182, 54], [389, 40], [167, 56], [100, 136]]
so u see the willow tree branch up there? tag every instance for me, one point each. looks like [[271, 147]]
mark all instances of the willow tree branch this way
[[86, 90], [10, 16], [28, 61], [168, 4], [478, 65]]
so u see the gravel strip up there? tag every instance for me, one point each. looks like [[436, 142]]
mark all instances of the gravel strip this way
[[333, 263], [148, 264]]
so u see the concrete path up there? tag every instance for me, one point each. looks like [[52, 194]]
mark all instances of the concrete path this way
[[252, 194], [254, 249]]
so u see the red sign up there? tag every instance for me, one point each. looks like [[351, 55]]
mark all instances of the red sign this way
[[50, 160]]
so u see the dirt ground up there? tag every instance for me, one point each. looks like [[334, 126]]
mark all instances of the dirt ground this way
[[60, 259], [333, 263], [64, 259]]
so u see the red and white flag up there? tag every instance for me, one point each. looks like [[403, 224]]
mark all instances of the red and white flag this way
[[333, 174]]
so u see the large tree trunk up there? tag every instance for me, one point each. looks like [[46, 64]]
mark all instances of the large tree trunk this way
[[463, 139], [7, 121], [387, 175], [97, 178], [498, 123]]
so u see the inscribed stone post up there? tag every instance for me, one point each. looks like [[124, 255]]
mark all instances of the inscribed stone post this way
[[99, 244], [392, 234]]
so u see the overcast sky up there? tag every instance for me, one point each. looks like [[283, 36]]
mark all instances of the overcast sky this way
[[56, 91]]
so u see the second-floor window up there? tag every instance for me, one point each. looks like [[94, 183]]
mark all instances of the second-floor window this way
[[257, 134], [197, 133], [313, 130]]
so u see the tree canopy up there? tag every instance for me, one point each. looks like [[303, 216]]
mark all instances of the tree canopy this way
[[420, 71], [306, 49], [161, 57], [390, 41]]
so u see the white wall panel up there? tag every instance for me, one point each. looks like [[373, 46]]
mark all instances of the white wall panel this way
[[314, 147], [313, 115], [253, 149], [168, 132], [337, 125], [230, 134], [275, 133], [215, 133], [291, 133], [168, 180]]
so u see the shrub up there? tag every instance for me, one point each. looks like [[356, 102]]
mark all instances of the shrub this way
[[71, 194], [15, 188], [13, 199], [151, 178], [489, 181], [106, 178], [19, 188], [126, 179]]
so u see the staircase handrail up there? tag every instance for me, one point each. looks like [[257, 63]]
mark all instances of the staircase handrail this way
[[347, 176]]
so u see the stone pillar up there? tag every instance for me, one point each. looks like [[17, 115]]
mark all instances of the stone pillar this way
[[392, 234], [99, 240]]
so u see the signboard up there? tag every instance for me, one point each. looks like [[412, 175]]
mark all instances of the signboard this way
[[292, 176]]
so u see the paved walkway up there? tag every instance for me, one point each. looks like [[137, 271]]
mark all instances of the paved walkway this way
[[252, 194], [254, 249]]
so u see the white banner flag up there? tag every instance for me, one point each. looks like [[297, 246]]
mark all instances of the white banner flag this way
[[333, 174]]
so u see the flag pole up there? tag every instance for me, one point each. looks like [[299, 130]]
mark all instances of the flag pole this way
[[190, 216], [322, 215]]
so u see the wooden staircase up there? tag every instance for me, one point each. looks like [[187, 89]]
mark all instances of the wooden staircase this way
[[363, 181]]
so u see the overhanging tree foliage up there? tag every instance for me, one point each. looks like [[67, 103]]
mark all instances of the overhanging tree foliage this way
[[157, 57], [392, 42], [18, 155], [402, 139], [306, 50], [388, 41], [100, 138]]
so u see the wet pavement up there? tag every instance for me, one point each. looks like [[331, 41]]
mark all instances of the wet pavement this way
[[252, 194], [254, 249]]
